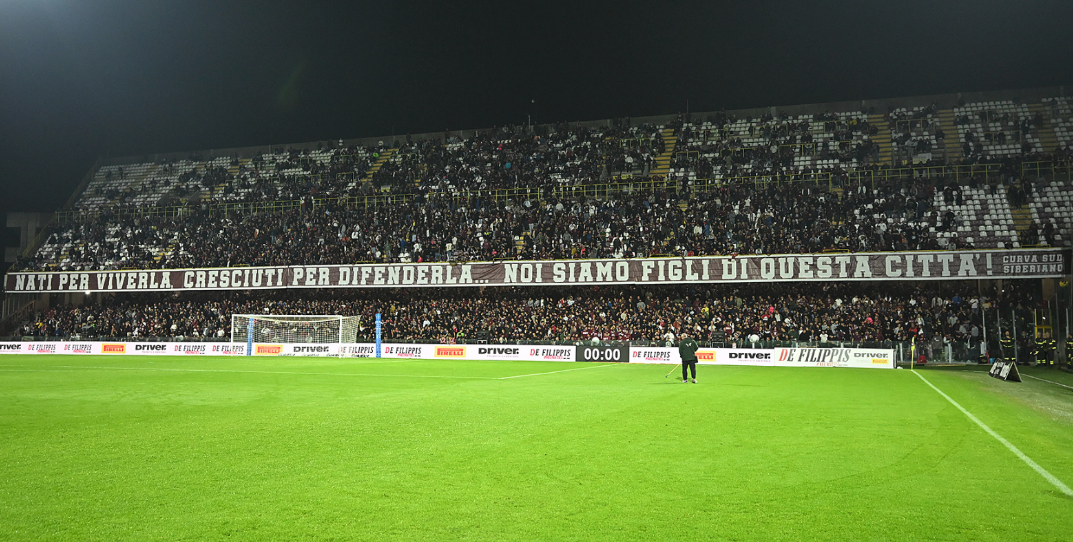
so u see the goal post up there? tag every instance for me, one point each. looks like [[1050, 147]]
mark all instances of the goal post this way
[[283, 328]]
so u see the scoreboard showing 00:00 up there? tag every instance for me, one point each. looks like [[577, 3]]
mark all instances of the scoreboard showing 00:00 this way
[[605, 353]]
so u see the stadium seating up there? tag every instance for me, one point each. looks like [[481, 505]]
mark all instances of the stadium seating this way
[[996, 129], [1052, 213], [1061, 114], [914, 134], [728, 148]]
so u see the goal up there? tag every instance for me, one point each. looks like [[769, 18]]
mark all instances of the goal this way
[[277, 328]]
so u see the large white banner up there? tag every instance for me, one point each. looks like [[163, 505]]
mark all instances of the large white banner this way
[[936, 265]]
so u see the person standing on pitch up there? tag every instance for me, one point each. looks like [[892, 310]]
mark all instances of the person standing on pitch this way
[[687, 350]]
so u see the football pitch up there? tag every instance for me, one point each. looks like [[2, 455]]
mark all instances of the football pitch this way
[[162, 448]]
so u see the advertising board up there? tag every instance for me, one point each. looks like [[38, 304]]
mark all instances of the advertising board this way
[[868, 358], [871, 358]]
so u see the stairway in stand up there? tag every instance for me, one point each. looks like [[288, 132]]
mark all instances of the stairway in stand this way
[[384, 157], [882, 138], [139, 181], [164, 253], [951, 141], [1047, 137], [663, 161], [1022, 219], [519, 243], [233, 170]]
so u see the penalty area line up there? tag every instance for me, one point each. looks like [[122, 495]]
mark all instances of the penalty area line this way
[[1028, 461], [553, 372]]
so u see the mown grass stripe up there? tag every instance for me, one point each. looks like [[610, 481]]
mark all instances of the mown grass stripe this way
[[247, 371], [553, 372]]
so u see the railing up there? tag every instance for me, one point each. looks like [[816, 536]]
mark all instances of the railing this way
[[16, 316], [635, 141], [237, 208]]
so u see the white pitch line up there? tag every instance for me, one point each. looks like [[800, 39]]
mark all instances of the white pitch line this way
[[553, 372], [1028, 461], [73, 367], [1049, 381]]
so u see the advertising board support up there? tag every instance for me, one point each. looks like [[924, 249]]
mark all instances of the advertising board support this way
[[249, 336], [378, 334]]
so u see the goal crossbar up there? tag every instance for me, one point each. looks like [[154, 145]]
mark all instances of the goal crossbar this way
[[293, 328]]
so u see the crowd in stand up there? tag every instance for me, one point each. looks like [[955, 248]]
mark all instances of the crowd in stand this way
[[730, 219], [819, 312], [454, 216], [722, 147]]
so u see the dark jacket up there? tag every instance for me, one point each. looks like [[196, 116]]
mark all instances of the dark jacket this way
[[687, 349]]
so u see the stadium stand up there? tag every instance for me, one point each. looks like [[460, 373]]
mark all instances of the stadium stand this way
[[902, 214], [820, 179]]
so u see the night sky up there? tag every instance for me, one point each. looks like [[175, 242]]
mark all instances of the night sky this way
[[81, 79]]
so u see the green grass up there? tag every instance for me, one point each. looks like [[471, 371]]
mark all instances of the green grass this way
[[160, 448]]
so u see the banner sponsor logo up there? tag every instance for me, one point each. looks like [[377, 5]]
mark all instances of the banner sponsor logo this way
[[642, 354], [78, 348], [749, 355], [403, 351], [499, 351], [311, 349], [114, 348], [874, 357], [359, 351], [229, 349], [150, 348], [268, 349], [815, 356], [551, 353], [188, 349], [705, 356], [936, 265], [868, 354], [450, 352], [42, 348], [10, 348]]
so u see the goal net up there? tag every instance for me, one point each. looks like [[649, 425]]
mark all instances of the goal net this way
[[276, 328]]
